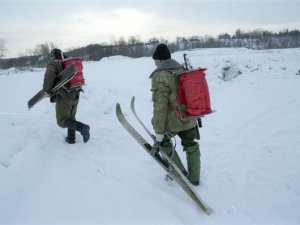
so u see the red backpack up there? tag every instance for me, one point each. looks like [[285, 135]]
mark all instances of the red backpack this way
[[193, 92], [78, 79]]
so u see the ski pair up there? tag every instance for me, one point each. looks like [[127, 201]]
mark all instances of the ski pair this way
[[64, 77], [160, 156]]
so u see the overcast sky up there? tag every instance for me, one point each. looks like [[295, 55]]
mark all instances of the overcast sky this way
[[77, 23]]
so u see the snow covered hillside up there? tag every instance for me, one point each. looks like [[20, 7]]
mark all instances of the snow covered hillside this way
[[249, 148]]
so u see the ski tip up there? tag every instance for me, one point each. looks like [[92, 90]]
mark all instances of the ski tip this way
[[118, 107], [118, 110], [132, 100]]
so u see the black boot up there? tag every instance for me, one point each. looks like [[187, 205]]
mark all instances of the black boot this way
[[78, 126], [71, 136], [85, 132], [195, 183]]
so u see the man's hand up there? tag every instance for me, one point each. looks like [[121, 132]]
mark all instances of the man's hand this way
[[159, 137], [157, 144], [47, 94]]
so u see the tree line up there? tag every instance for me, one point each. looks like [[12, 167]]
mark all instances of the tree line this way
[[134, 47]]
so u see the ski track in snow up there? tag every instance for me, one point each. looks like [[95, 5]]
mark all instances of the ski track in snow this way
[[250, 171]]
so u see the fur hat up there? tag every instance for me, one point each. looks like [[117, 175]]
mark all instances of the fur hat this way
[[56, 53], [161, 52]]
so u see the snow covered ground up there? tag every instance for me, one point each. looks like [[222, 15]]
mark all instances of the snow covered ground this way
[[249, 148]]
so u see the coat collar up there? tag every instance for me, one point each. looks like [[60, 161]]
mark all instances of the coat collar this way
[[168, 64]]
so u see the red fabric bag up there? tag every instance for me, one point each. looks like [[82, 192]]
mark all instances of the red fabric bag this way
[[194, 93]]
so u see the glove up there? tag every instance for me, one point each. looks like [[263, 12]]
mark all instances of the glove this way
[[47, 94], [159, 137], [53, 99], [157, 144]]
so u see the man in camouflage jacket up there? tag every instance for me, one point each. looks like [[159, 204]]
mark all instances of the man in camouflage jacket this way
[[66, 100], [165, 120]]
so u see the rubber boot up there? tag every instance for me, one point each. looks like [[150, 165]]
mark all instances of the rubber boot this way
[[169, 149], [78, 126], [193, 163], [71, 136]]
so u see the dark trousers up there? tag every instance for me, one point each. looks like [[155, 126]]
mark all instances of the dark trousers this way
[[191, 147]]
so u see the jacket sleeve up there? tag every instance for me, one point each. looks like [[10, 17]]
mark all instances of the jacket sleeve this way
[[160, 95], [50, 77]]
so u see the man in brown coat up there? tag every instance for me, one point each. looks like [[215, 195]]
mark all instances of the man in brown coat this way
[[66, 100]]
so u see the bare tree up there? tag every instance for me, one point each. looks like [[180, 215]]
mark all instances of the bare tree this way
[[133, 40], [43, 49], [29, 52], [122, 41], [2, 48]]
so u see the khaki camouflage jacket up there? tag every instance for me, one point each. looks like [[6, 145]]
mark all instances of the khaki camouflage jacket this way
[[164, 95]]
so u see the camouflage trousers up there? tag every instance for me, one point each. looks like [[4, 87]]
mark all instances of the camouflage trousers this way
[[191, 147], [65, 110]]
